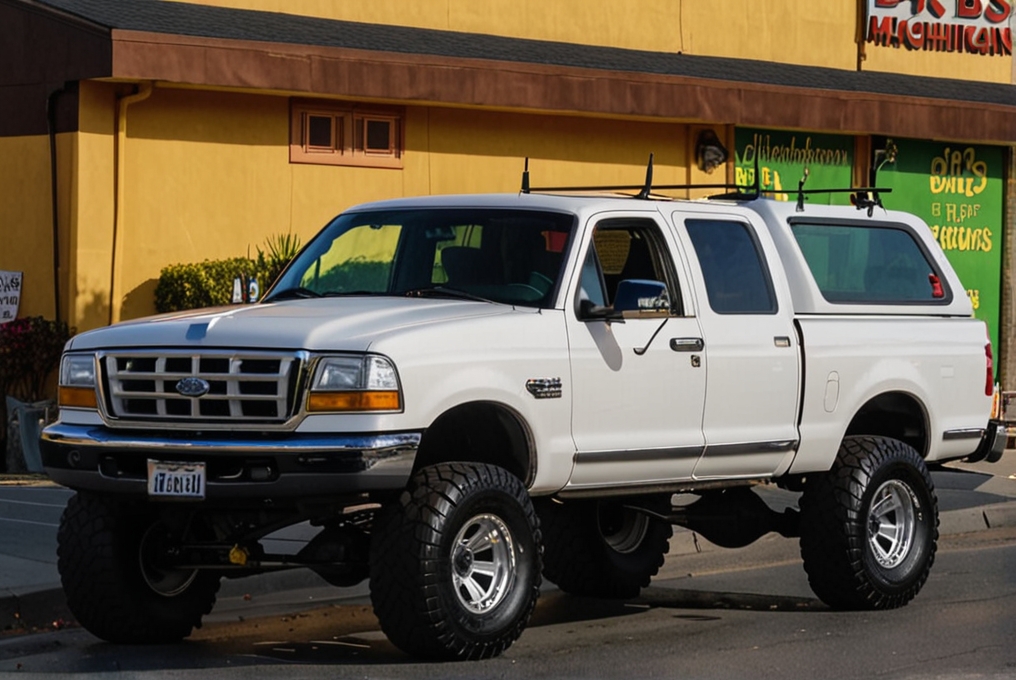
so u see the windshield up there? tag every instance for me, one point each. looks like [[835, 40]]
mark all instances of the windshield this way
[[507, 256]]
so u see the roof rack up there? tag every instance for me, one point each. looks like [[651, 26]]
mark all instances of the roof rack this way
[[861, 197], [645, 190]]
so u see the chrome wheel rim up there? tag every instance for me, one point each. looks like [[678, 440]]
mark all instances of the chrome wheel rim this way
[[483, 563], [892, 523], [165, 582], [622, 529]]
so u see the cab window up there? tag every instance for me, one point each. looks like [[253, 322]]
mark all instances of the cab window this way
[[736, 276], [623, 250]]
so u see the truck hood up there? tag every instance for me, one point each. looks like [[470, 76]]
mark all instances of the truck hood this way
[[349, 323]]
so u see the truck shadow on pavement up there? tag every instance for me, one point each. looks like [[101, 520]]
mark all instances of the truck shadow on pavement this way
[[349, 635], [554, 608]]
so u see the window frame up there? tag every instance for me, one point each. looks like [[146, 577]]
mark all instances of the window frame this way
[[659, 252], [349, 134]]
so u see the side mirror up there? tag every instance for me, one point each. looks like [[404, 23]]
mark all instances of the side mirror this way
[[590, 311], [641, 295]]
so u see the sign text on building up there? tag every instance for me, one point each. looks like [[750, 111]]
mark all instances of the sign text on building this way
[[10, 295], [973, 26]]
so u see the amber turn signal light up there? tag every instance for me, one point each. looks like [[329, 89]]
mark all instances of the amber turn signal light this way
[[372, 400], [77, 397]]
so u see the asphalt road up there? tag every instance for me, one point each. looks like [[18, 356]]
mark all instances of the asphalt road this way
[[712, 615], [29, 517], [717, 613]]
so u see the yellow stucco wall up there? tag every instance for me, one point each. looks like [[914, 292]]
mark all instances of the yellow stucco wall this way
[[774, 30], [207, 176], [90, 221], [26, 223], [962, 66]]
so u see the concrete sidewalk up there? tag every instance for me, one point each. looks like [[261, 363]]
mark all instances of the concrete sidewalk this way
[[972, 497]]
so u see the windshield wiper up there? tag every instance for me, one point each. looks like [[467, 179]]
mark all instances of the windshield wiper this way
[[303, 293], [445, 291], [292, 293]]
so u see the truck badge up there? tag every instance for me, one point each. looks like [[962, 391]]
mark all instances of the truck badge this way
[[544, 388], [193, 387]]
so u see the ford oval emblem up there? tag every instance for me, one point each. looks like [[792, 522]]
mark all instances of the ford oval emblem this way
[[193, 387]]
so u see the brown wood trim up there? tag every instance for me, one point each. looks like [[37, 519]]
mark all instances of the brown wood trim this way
[[408, 78]]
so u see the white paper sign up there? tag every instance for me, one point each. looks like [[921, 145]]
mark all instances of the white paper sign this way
[[10, 295]]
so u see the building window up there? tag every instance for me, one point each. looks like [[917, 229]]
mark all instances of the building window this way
[[335, 133]]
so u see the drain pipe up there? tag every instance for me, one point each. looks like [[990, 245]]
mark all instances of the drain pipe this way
[[144, 91]]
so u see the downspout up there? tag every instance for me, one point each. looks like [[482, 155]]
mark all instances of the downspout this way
[[143, 92], [54, 194]]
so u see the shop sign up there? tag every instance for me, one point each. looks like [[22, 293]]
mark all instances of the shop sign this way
[[784, 156], [958, 190], [10, 295], [971, 26]]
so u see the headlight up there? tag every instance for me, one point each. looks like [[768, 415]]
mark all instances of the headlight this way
[[355, 383], [77, 381]]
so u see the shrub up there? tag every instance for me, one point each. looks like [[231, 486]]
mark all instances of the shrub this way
[[204, 284], [210, 283], [280, 250], [30, 350]]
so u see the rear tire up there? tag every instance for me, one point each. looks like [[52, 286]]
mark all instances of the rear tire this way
[[602, 549], [105, 555], [869, 527], [455, 562]]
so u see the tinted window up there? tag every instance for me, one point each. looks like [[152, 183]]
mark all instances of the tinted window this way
[[861, 263], [737, 280], [509, 256]]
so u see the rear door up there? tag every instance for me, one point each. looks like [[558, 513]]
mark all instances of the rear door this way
[[751, 353]]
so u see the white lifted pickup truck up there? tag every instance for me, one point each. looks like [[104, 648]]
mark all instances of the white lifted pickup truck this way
[[468, 393]]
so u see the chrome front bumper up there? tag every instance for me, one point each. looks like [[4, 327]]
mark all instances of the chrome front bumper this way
[[239, 464]]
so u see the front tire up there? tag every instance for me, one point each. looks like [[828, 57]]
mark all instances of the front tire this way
[[106, 555], [603, 548], [455, 562], [869, 527]]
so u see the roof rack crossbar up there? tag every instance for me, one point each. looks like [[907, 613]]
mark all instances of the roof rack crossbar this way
[[640, 187], [846, 190], [862, 197]]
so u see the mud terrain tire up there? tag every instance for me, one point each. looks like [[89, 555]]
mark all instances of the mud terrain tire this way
[[869, 527]]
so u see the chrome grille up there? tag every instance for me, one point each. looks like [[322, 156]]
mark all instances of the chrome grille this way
[[254, 388]]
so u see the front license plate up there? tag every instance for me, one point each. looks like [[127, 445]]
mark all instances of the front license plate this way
[[176, 480]]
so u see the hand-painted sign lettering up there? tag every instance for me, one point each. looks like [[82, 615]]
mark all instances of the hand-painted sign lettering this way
[[972, 26]]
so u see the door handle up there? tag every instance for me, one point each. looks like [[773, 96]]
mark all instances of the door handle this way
[[687, 344]]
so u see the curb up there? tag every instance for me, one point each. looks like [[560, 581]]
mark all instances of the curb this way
[[40, 480]]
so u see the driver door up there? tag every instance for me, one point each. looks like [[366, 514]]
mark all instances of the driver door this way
[[638, 384]]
